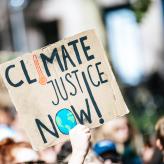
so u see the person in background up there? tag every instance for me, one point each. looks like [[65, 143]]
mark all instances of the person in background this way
[[65, 152], [16, 152], [154, 153], [121, 132], [107, 152], [148, 149], [48, 155], [20, 152], [124, 136], [160, 135], [7, 115]]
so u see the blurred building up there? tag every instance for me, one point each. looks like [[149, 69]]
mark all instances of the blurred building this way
[[134, 48]]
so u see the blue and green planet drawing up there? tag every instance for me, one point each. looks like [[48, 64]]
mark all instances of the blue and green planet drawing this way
[[65, 120]]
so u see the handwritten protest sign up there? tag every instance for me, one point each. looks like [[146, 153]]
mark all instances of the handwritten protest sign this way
[[61, 85]]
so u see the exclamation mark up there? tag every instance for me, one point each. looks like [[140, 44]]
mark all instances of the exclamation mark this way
[[42, 78], [101, 120]]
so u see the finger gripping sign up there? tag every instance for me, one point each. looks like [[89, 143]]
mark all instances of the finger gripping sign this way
[[62, 85]]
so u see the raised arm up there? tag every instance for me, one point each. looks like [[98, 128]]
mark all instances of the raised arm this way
[[80, 140]]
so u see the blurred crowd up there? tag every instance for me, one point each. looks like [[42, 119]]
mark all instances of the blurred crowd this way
[[132, 33], [117, 141]]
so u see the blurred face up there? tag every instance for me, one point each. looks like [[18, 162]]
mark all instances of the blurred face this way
[[4, 118], [48, 155], [159, 145], [147, 154], [108, 162], [118, 130], [121, 131], [23, 154]]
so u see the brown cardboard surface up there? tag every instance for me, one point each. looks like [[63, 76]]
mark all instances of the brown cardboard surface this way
[[61, 85]]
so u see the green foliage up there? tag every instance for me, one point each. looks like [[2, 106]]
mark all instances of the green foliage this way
[[145, 107], [140, 7]]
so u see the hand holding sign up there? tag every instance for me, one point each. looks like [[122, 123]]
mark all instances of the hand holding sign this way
[[80, 140], [62, 85]]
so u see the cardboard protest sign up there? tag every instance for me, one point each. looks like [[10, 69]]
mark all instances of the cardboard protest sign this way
[[61, 85]]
